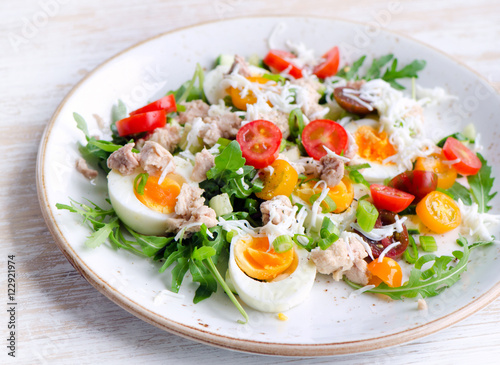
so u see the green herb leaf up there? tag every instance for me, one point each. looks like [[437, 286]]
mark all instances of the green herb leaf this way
[[351, 72], [374, 71], [458, 191], [458, 136], [409, 71], [230, 159], [481, 185], [81, 124]]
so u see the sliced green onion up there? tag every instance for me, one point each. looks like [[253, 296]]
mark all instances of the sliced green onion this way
[[413, 231], [367, 215], [296, 122], [324, 243], [366, 196], [299, 240], [411, 253], [230, 235], [283, 243], [327, 204], [140, 182], [328, 228], [428, 243]]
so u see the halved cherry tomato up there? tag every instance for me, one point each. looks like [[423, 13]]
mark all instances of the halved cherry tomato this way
[[385, 218], [386, 270], [166, 103], [469, 163], [331, 64], [439, 212], [391, 199], [240, 102], [418, 183], [342, 193], [260, 142], [281, 182], [349, 104], [324, 132], [446, 174], [276, 59], [145, 122]]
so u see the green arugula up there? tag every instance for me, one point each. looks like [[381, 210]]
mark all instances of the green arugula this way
[[199, 253], [481, 185], [188, 91], [355, 175], [432, 281], [391, 73], [458, 191], [230, 175], [458, 136]]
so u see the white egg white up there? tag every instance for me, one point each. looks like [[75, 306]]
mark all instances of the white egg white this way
[[377, 172], [132, 211], [214, 91], [275, 296]]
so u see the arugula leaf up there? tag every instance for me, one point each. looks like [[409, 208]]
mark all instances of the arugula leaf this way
[[178, 273], [481, 185], [430, 282], [375, 69], [201, 275], [351, 72], [81, 124], [409, 71], [230, 159], [458, 191]]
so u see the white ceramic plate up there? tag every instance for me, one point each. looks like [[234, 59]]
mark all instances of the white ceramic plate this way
[[329, 322]]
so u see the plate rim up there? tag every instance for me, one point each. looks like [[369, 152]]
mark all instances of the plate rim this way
[[215, 339]]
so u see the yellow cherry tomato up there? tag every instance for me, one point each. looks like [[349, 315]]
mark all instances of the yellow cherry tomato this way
[[259, 261], [342, 193], [241, 102], [281, 182], [439, 212], [387, 271], [445, 173]]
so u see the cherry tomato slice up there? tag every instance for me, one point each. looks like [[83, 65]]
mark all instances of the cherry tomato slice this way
[[469, 163], [385, 218], [394, 200], [145, 122], [386, 270], [349, 104], [439, 212], [276, 59], [260, 142], [446, 174], [418, 183], [330, 66], [166, 103], [324, 132]]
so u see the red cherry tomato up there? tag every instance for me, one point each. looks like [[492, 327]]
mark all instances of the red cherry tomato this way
[[418, 183], [145, 122], [276, 59], [331, 64], [469, 163], [324, 132], [391, 199], [166, 103], [260, 142]]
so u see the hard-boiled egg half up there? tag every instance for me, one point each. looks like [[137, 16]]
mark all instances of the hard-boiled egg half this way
[[147, 213], [373, 148], [266, 280]]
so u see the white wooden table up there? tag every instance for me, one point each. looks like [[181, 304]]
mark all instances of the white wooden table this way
[[46, 47]]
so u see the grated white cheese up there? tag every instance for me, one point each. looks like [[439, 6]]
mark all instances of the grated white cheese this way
[[451, 162], [360, 291], [305, 56], [166, 170], [387, 249], [477, 224], [316, 205], [329, 152]]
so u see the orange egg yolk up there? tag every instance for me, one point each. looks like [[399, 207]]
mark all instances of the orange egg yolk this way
[[161, 197], [372, 145], [250, 98], [254, 257]]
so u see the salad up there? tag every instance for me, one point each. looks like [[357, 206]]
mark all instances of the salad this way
[[261, 173]]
